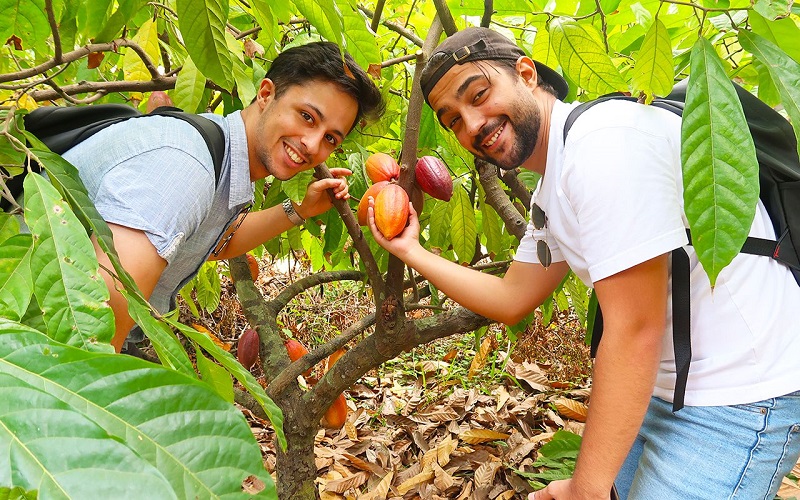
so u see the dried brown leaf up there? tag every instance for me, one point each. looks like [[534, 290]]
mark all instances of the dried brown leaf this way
[[477, 436], [253, 485], [484, 475], [382, 490], [506, 495], [442, 479], [347, 483], [533, 376], [408, 484], [440, 415], [351, 431], [363, 464], [445, 449], [479, 361], [571, 409]]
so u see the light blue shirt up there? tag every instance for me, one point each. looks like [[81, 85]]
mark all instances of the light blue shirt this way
[[156, 174]]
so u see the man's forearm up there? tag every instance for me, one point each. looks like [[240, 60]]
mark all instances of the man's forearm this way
[[256, 229]]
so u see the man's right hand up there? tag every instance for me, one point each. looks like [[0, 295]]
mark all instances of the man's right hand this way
[[402, 244]]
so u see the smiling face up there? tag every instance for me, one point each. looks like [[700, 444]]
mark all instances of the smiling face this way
[[491, 111], [298, 130]]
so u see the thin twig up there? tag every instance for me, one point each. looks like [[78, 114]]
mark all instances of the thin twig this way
[[396, 28], [51, 19]]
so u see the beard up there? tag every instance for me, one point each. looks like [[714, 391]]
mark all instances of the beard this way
[[525, 124]]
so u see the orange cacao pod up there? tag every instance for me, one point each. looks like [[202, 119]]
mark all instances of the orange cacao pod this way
[[296, 350], [364, 203], [434, 178], [157, 99], [247, 349], [253, 264], [336, 415], [382, 167], [333, 358], [391, 210]]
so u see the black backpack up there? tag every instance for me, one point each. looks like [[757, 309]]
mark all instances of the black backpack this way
[[779, 184], [62, 128]]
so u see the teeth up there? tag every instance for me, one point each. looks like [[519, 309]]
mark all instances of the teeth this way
[[294, 156], [494, 137]]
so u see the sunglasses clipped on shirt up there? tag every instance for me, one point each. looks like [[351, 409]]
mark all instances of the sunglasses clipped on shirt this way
[[539, 219], [229, 234]]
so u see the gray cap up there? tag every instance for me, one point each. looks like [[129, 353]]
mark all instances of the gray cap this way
[[477, 43]]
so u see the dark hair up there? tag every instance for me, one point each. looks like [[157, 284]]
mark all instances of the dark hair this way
[[322, 61]]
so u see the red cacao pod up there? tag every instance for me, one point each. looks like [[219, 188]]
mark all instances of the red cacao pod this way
[[252, 263], [382, 167], [157, 99], [247, 349], [434, 178], [296, 350], [336, 415], [391, 210], [364, 203]]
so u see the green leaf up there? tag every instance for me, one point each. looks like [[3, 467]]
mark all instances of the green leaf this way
[[73, 423], [564, 444], [492, 229], [772, 9], [324, 15], [244, 377], [214, 375], [542, 48], [189, 87], [784, 70], [16, 280], [361, 43], [26, 19], [295, 188], [17, 494], [9, 226], [208, 287], [463, 228], [720, 170], [168, 349], [125, 11], [202, 24], [783, 32], [439, 231], [653, 73], [67, 284], [583, 57]]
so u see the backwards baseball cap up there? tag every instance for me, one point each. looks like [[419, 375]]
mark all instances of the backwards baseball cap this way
[[475, 44]]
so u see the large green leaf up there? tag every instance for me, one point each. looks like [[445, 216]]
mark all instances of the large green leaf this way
[[25, 19], [361, 42], [653, 73], [324, 15], [463, 229], [202, 24], [784, 70], [67, 284], [720, 170], [125, 11], [772, 9], [244, 377], [783, 32], [16, 280], [189, 87], [9, 226], [583, 57], [75, 424]]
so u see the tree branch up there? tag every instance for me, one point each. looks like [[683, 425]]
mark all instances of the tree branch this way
[[445, 17], [310, 281], [510, 179], [394, 27], [497, 199], [164, 83], [51, 19], [488, 10], [376, 17]]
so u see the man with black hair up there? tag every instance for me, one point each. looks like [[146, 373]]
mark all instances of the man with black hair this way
[[609, 207], [152, 179]]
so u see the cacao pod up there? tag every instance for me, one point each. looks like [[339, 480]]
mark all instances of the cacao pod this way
[[336, 415], [364, 203], [252, 263], [382, 167], [247, 349], [434, 178], [333, 358], [157, 99], [391, 210], [296, 350]]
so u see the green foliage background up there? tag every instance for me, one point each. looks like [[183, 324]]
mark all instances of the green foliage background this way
[[210, 55]]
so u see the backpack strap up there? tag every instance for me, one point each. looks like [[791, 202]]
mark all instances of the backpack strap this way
[[211, 132]]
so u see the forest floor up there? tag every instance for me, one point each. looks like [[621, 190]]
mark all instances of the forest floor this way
[[462, 417]]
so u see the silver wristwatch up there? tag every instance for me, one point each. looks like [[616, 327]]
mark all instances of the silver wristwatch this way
[[293, 216]]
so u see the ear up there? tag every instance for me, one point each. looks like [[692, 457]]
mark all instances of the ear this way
[[266, 92], [527, 71]]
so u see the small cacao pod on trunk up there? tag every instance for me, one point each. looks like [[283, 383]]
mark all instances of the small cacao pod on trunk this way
[[247, 349], [252, 263], [364, 203], [391, 210], [336, 415], [382, 167], [434, 178], [296, 350]]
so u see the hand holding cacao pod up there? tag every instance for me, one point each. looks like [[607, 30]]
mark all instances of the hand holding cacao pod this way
[[391, 210], [434, 178]]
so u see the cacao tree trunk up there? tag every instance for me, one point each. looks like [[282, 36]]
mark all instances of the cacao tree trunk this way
[[295, 467]]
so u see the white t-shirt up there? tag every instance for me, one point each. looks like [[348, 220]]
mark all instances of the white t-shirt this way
[[613, 196]]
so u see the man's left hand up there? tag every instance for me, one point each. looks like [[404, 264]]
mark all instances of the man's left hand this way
[[563, 490], [317, 201]]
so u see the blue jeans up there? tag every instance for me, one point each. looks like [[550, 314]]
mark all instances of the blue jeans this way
[[713, 452]]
